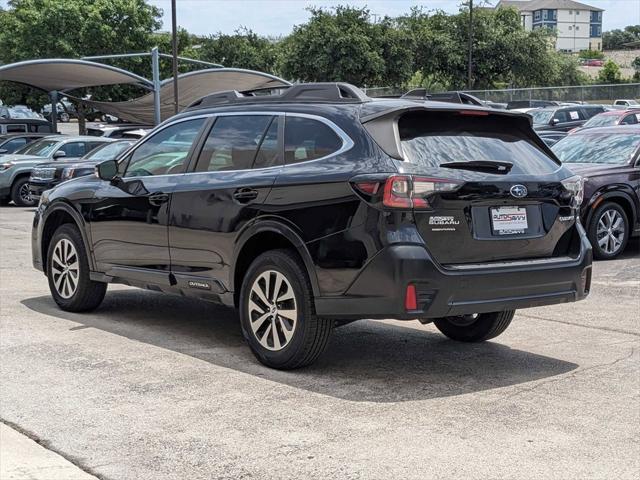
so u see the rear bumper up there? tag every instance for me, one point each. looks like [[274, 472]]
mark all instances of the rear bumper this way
[[379, 290]]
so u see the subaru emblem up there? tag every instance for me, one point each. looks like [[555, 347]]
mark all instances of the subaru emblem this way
[[519, 191]]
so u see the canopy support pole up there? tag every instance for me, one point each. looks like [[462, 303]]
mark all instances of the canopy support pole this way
[[155, 68], [53, 96]]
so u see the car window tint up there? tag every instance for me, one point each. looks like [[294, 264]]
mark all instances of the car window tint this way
[[629, 120], [430, 139], [12, 128], [308, 139], [233, 142], [73, 149], [165, 152], [269, 152], [14, 144]]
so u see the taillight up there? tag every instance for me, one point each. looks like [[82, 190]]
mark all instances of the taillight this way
[[402, 191], [575, 186]]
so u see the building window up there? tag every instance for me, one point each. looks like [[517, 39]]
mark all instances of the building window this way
[[570, 27], [577, 27], [536, 15], [570, 12], [577, 12]]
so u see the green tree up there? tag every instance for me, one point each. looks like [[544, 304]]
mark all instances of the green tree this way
[[503, 52], [32, 29], [344, 45], [243, 49], [616, 39], [610, 73]]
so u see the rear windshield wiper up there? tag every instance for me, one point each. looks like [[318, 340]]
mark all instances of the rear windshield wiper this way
[[481, 166]]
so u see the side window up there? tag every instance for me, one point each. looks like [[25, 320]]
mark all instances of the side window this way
[[165, 152], [13, 128], [629, 120], [269, 151], [233, 143], [73, 149], [308, 139], [14, 144]]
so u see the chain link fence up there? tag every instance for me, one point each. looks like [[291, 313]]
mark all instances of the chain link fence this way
[[581, 93]]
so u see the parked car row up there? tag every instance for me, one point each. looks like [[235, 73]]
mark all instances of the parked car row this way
[[15, 168]]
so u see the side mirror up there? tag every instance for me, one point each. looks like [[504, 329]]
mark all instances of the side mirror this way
[[555, 121], [107, 170], [59, 154], [3, 150]]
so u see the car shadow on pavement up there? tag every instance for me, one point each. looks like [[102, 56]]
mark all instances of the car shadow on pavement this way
[[366, 361]]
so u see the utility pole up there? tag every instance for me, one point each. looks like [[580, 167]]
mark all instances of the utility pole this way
[[174, 46], [470, 67]]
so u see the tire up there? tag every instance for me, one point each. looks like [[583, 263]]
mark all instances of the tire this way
[[475, 328], [20, 193], [613, 240], [64, 117], [87, 294], [309, 334]]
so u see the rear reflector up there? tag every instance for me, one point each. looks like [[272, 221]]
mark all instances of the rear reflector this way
[[370, 188], [410, 298]]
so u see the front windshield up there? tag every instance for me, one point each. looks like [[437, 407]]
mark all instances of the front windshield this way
[[541, 117], [601, 121], [23, 113], [610, 148], [109, 151], [41, 148]]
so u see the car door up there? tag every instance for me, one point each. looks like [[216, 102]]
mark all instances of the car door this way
[[72, 149], [567, 119], [129, 217], [238, 162]]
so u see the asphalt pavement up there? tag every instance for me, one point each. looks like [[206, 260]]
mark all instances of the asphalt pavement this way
[[151, 386]]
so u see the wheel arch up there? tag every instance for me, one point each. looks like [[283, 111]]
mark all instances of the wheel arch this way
[[262, 237], [58, 214], [619, 196]]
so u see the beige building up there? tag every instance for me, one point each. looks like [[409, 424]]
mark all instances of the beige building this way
[[578, 26]]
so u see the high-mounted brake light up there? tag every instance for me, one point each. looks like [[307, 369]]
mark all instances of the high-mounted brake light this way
[[402, 191]]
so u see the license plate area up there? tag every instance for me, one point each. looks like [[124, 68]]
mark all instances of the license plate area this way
[[483, 228], [508, 221]]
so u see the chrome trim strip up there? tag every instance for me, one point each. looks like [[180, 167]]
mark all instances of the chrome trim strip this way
[[347, 143]]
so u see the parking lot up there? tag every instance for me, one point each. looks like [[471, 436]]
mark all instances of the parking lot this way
[[152, 386]]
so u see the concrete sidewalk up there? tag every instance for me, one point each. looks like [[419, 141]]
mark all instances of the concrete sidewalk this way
[[23, 459]]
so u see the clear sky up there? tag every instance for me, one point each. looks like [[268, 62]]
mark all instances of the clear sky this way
[[277, 17]]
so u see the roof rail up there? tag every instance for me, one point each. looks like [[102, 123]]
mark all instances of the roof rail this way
[[329, 92]]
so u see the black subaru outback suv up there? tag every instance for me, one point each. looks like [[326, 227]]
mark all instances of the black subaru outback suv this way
[[319, 206]]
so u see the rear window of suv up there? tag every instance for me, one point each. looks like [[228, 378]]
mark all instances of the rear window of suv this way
[[432, 138]]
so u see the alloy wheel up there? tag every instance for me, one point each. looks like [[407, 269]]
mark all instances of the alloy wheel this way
[[65, 268], [273, 311], [25, 194], [610, 232]]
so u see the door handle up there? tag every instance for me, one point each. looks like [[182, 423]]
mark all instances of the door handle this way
[[157, 199], [245, 194]]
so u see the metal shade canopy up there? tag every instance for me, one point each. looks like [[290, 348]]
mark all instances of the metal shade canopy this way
[[192, 86], [67, 74]]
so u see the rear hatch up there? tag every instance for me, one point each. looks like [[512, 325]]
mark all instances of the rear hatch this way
[[484, 188]]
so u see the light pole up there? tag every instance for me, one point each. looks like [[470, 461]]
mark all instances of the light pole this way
[[174, 46], [470, 67]]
